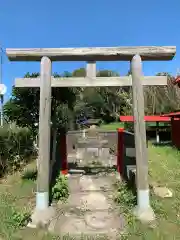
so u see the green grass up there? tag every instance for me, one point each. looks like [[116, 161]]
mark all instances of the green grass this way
[[112, 126], [17, 201], [115, 125], [153, 124], [164, 169], [17, 193], [17, 197]]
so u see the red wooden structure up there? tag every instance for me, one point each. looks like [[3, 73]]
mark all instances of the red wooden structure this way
[[177, 81], [63, 154], [175, 121], [146, 118], [175, 127], [152, 118], [174, 118], [120, 150]]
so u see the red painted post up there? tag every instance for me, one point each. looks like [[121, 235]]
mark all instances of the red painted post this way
[[63, 154], [120, 151], [172, 131], [175, 131]]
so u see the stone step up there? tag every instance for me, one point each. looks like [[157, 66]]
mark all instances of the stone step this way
[[76, 171]]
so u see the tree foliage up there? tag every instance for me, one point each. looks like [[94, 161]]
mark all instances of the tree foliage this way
[[101, 102], [162, 99], [23, 106]]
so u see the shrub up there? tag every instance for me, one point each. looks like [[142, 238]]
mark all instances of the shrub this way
[[124, 196], [129, 126], [20, 219], [60, 191], [16, 145], [30, 175], [127, 201]]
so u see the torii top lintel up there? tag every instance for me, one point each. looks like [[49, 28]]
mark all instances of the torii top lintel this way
[[147, 53]]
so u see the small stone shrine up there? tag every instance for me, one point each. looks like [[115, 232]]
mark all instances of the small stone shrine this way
[[91, 147]]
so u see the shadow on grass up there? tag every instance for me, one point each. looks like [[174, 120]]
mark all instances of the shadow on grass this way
[[131, 184], [30, 175], [163, 144]]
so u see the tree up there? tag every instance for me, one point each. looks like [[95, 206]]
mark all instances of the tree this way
[[23, 106], [81, 72], [162, 99], [101, 102]]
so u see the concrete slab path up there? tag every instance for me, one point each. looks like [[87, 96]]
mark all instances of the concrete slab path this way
[[90, 209]]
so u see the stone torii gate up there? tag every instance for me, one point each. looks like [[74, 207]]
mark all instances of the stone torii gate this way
[[133, 54]]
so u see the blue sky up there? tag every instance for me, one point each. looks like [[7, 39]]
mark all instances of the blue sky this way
[[82, 23]]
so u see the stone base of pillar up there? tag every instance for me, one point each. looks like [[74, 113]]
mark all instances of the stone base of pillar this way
[[143, 211], [42, 200], [145, 215], [42, 218]]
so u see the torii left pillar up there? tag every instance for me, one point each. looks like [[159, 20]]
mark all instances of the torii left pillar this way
[[43, 212]]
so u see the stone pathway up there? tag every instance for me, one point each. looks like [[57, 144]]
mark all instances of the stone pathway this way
[[89, 210]]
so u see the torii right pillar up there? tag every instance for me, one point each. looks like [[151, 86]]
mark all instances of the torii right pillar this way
[[143, 211]]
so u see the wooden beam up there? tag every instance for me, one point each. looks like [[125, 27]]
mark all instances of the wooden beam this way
[[92, 53], [92, 82], [42, 197]]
